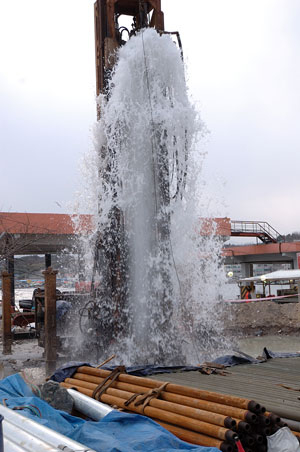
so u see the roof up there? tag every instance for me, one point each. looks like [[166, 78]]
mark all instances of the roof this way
[[43, 223], [270, 248], [279, 275], [54, 223]]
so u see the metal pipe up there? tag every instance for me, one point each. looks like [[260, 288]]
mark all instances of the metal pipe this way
[[273, 417], [263, 420], [258, 438], [238, 402], [12, 446], [249, 439], [206, 416], [284, 411], [26, 440], [40, 431], [262, 448], [173, 418], [205, 405], [264, 431], [179, 389], [196, 438], [293, 425], [242, 426], [89, 407]]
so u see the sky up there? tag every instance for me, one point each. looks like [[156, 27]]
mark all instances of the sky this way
[[243, 72]]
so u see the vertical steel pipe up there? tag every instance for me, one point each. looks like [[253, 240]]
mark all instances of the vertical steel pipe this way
[[50, 320], [6, 313]]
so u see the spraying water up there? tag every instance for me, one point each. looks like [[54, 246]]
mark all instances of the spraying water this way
[[163, 307]]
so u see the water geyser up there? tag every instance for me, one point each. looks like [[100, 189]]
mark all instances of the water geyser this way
[[153, 298]]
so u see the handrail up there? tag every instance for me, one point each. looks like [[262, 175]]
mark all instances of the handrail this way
[[255, 227]]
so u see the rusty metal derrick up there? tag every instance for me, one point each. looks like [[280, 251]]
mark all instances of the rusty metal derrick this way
[[108, 35], [111, 251]]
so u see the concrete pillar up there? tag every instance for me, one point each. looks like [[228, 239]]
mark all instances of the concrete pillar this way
[[10, 267], [81, 267], [295, 262], [47, 260], [50, 320], [246, 270], [6, 313]]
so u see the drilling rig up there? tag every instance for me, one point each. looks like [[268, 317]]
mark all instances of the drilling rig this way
[[109, 299], [109, 34]]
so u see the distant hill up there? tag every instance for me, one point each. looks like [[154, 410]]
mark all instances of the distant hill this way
[[31, 267]]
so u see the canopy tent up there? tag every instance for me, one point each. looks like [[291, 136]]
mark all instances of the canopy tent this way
[[279, 275]]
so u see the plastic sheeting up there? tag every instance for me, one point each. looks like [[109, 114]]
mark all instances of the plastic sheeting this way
[[235, 360], [283, 441], [144, 371], [68, 369], [117, 432], [268, 354]]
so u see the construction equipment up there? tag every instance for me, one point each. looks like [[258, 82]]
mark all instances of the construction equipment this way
[[109, 34], [110, 249], [107, 306]]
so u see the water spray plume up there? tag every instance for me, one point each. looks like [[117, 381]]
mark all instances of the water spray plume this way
[[164, 305]]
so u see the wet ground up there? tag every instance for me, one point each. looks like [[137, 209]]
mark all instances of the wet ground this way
[[280, 343], [255, 326], [28, 356]]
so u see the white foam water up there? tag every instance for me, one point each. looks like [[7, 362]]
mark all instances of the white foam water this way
[[146, 164]]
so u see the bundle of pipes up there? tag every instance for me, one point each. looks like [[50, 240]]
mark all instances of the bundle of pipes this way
[[200, 417]]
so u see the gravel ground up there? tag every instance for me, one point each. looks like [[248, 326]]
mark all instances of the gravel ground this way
[[26, 356], [262, 317]]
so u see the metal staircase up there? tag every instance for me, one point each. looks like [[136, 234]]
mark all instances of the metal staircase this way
[[260, 229]]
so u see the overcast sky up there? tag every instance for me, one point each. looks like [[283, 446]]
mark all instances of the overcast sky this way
[[243, 63]]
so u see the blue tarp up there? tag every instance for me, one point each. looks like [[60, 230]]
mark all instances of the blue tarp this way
[[67, 370], [117, 432], [70, 368]]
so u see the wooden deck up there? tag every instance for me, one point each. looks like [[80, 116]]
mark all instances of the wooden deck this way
[[259, 382]]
